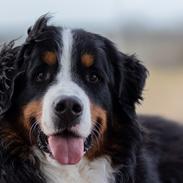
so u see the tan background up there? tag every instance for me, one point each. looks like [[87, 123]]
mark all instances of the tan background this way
[[163, 94]]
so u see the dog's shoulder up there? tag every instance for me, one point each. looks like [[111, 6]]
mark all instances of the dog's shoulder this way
[[163, 141]]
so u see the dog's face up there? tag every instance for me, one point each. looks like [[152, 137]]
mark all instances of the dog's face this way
[[68, 91], [73, 82]]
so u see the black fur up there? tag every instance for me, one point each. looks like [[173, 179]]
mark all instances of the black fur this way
[[142, 149], [15, 165], [8, 73]]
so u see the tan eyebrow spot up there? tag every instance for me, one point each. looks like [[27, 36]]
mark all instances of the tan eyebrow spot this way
[[87, 60], [49, 57]]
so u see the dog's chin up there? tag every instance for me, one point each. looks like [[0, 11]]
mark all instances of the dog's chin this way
[[66, 147]]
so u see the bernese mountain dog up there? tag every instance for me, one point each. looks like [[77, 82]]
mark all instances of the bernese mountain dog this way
[[67, 114]]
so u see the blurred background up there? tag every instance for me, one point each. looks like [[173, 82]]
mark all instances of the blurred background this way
[[151, 29]]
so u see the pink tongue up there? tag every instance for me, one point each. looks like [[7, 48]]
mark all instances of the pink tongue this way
[[66, 150]]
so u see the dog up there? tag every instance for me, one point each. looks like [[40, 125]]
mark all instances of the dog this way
[[67, 113]]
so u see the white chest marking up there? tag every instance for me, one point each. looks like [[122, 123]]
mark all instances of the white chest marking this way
[[97, 171]]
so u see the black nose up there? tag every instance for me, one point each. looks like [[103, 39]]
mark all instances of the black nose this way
[[68, 109]]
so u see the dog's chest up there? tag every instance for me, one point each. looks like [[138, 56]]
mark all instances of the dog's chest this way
[[98, 171]]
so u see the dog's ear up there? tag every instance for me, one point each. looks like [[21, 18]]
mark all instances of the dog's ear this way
[[129, 77], [8, 74], [14, 60], [33, 37]]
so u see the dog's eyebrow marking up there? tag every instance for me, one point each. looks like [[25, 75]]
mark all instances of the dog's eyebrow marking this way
[[49, 57], [87, 59]]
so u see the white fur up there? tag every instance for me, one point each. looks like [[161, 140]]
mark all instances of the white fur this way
[[65, 87], [97, 171]]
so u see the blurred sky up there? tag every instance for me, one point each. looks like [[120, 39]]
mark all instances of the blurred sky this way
[[84, 13]]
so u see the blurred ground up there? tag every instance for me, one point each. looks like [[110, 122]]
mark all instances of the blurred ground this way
[[163, 94]]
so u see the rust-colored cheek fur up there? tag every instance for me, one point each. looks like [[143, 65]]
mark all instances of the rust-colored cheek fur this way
[[13, 143], [29, 111], [99, 120], [16, 139]]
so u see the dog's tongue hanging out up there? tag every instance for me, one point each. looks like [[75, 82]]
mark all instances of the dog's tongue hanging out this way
[[66, 150]]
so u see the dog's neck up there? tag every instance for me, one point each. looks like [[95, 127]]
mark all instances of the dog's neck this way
[[98, 170]]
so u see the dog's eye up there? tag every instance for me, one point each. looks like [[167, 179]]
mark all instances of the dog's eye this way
[[43, 76], [93, 78]]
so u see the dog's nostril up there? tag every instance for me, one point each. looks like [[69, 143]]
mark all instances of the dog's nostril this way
[[61, 107], [76, 109]]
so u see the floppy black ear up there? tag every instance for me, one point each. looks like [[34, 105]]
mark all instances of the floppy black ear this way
[[133, 79], [13, 59], [8, 74], [129, 77]]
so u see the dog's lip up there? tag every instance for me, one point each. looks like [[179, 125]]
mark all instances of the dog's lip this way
[[43, 139], [66, 132]]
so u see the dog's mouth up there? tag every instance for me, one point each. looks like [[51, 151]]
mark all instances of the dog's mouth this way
[[66, 147]]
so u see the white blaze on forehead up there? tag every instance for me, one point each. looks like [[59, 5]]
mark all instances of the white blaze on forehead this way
[[65, 61], [65, 86]]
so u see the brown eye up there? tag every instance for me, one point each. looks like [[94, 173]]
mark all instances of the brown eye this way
[[43, 76], [93, 78]]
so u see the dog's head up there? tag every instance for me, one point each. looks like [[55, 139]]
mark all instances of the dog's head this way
[[73, 85]]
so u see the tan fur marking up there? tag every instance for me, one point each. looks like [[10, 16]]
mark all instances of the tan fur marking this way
[[33, 109], [99, 118], [87, 60], [49, 57], [14, 144]]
